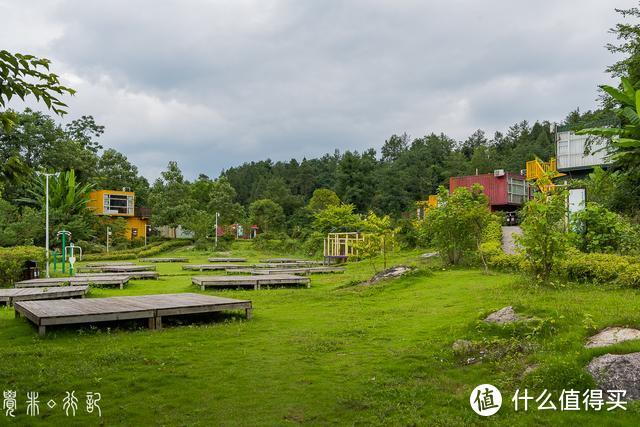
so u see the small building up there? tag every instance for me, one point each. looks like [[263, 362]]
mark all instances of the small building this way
[[121, 204], [570, 152], [506, 191]]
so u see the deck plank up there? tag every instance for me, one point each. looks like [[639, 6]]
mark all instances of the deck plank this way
[[60, 312], [95, 279]]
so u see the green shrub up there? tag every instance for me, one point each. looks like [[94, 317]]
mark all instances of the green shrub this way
[[507, 262], [12, 261], [142, 252], [601, 269], [276, 242], [597, 229]]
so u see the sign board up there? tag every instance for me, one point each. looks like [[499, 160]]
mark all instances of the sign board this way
[[577, 200], [72, 260]]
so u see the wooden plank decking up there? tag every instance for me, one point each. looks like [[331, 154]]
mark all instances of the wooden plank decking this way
[[115, 268], [151, 307], [131, 274], [174, 259], [290, 261], [210, 267], [305, 271], [214, 259], [255, 282], [103, 263], [9, 296], [75, 280]]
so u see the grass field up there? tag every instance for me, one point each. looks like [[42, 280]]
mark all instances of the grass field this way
[[337, 353]]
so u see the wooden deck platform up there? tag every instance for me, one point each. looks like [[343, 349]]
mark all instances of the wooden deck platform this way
[[103, 263], [255, 282], [9, 296], [305, 271], [227, 259], [131, 274], [119, 280], [115, 268], [290, 261], [210, 267], [151, 307], [175, 259]]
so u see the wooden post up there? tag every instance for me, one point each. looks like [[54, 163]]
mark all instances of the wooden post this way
[[42, 330], [152, 322], [248, 313], [17, 313]]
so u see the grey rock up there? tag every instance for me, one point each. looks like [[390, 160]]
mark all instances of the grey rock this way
[[611, 336], [390, 273], [429, 255], [462, 346], [503, 316], [617, 372]]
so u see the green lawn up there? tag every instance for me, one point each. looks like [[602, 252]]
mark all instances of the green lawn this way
[[337, 353]]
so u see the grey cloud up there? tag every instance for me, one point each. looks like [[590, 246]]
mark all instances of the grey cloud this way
[[215, 83]]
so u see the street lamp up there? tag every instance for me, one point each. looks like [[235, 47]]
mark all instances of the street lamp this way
[[216, 231], [46, 226]]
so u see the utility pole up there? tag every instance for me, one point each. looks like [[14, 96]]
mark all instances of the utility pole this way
[[46, 226], [108, 237], [216, 231]]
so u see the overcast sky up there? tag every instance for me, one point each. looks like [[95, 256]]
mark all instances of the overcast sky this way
[[213, 84]]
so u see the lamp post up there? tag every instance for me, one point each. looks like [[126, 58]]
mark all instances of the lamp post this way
[[46, 226], [216, 231]]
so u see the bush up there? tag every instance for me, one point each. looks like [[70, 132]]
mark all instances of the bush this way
[[506, 262], [313, 245], [276, 242], [12, 261], [151, 250], [601, 269], [597, 229]]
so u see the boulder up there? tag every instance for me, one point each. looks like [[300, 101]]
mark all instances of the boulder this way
[[429, 255], [611, 336], [617, 372], [503, 316], [390, 273]]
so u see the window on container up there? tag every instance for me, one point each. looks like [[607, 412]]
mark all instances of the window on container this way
[[118, 204], [517, 190]]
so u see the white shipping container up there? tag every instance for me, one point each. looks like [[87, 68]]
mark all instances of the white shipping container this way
[[570, 151]]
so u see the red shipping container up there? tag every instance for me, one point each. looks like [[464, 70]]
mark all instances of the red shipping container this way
[[502, 195]]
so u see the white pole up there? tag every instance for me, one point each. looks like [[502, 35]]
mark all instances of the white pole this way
[[47, 221], [216, 231], [108, 239]]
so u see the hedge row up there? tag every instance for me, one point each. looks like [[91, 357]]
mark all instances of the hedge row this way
[[582, 267], [12, 261], [143, 252]]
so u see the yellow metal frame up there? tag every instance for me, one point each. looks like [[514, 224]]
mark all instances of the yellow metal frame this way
[[342, 245], [539, 170]]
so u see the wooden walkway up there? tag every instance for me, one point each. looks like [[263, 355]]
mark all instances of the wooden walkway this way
[[151, 307], [255, 282], [75, 280], [176, 259], [131, 274], [210, 267], [305, 271], [227, 259], [10, 295]]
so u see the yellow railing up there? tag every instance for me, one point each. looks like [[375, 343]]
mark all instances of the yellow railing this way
[[538, 170]]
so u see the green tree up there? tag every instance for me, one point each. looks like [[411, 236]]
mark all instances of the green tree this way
[[170, 198], [628, 48], [457, 224], [380, 238], [337, 218], [322, 198], [267, 214], [115, 172], [26, 75], [544, 240], [222, 199]]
